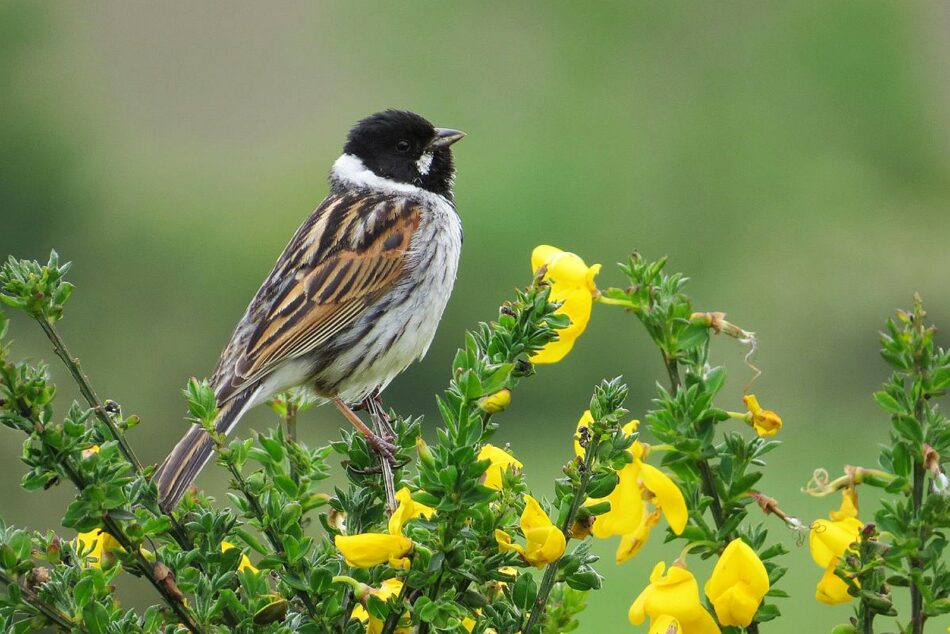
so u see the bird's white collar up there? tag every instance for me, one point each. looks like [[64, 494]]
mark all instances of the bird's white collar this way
[[350, 170]]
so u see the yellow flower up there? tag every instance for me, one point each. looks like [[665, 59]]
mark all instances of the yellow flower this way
[[828, 541], [97, 547], [672, 600], [765, 421], [546, 542], [371, 549], [640, 485], [572, 282], [245, 562], [500, 460], [389, 588], [737, 585]]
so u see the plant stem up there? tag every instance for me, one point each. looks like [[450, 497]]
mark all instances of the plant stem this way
[[917, 493], [92, 399], [392, 619], [673, 371], [47, 610], [705, 471], [917, 499], [550, 573], [291, 420], [88, 393], [272, 536]]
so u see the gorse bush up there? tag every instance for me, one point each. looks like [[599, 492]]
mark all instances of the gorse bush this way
[[468, 547]]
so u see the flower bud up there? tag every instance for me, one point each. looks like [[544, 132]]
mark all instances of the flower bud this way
[[497, 402], [425, 454]]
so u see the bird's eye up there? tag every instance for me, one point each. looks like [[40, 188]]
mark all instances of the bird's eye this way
[[403, 146]]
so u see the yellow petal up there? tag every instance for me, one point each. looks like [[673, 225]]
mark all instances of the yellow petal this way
[[667, 496], [407, 509], [546, 542], [370, 549], [829, 540], [245, 563], [665, 624], [849, 505], [542, 254], [626, 505], [500, 461], [674, 594], [631, 544], [738, 584], [831, 589], [572, 284], [98, 546]]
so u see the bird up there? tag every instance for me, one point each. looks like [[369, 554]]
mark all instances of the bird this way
[[354, 298]]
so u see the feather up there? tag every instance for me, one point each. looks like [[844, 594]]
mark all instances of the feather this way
[[315, 292]]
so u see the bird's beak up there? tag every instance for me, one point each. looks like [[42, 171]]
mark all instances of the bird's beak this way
[[444, 137]]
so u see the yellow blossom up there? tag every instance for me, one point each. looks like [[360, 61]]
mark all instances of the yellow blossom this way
[[500, 460], [765, 421], [370, 549], [97, 546], [572, 283], [245, 563], [389, 588], [828, 541], [672, 599], [737, 584], [545, 541], [640, 485]]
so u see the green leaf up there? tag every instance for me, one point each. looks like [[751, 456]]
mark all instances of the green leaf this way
[[524, 592], [888, 402], [83, 592], [96, 618]]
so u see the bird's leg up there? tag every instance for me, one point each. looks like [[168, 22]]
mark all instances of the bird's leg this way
[[374, 404], [384, 449]]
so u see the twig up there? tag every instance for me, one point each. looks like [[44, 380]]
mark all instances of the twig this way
[[88, 393], [550, 574], [272, 536], [47, 610]]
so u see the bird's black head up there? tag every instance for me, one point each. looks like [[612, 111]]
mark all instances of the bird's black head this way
[[402, 146]]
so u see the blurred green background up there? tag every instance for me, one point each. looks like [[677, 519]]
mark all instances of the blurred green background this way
[[792, 158]]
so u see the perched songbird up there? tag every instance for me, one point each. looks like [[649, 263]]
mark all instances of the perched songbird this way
[[357, 294]]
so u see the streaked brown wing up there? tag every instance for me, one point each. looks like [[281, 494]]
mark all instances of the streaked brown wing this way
[[349, 252]]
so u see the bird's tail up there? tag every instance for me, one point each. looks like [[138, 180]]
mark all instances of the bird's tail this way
[[191, 454]]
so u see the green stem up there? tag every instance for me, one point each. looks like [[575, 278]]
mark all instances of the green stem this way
[[917, 499], [272, 536], [146, 569], [53, 614], [550, 573], [392, 619], [92, 399], [88, 393], [672, 370]]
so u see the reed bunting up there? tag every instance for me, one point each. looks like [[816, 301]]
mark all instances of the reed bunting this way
[[357, 294]]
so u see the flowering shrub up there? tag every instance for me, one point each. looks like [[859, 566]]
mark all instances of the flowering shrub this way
[[468, 547]]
